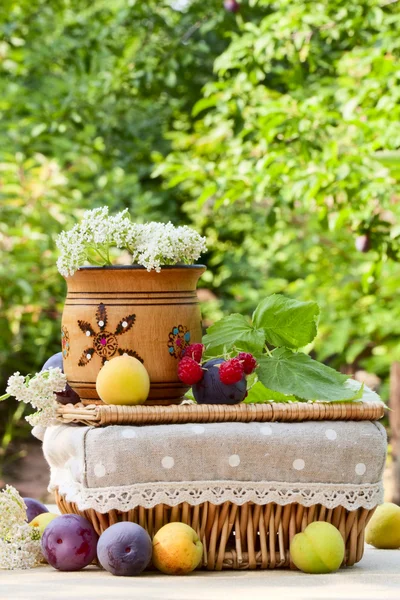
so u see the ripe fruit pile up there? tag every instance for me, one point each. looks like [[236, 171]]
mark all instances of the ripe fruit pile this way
[[216, 381], [69, 543]]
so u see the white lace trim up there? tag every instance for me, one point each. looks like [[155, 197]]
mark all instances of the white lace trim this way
[[148, 495]]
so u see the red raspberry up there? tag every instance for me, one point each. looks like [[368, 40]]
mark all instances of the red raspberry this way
[[189, 371], [248, 361], [194, 351], [231, 371]]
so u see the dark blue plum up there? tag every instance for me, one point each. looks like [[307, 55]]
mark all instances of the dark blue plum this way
[[68, 396], [211, 390], [33, 508], [124, 549], [54, 362], [69, 543]]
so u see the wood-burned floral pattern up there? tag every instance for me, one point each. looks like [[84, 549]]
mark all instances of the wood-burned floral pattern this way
[[65, 343], [179, 338], [105, 343]]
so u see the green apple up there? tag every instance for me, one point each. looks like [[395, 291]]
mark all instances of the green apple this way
[[319, 549], [123, 380], [383, 530], [177, 549], [41, 521]]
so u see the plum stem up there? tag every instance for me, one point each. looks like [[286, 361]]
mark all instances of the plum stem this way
[[4, 397]]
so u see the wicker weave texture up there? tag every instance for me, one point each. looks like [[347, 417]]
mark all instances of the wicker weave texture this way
[[102, 415], [241, 537]]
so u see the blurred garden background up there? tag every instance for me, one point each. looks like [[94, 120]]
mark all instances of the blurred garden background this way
[[272, 127]]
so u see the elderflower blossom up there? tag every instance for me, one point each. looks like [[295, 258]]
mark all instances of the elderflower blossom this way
[[19, 542], [151, 245], [39, 391]]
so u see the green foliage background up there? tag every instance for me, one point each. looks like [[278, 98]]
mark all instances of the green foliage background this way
[[274, 131]]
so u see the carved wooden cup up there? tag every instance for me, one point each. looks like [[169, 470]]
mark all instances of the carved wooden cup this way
[[110, 311]]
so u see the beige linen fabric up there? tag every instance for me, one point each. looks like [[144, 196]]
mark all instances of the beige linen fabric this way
[[120, 467]]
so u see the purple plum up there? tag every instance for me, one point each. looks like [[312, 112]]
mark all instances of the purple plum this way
[[211, 390], [231, 6], [33, 508], [69, 543], [68, 396], [124, 549], [363, 243]]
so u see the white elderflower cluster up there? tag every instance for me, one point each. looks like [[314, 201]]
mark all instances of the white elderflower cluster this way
[[39, 391], [150, 245], [157, 244], [19, 543]]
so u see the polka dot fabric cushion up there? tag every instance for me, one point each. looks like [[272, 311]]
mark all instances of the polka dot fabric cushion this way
[[258, 456], [334, 452]]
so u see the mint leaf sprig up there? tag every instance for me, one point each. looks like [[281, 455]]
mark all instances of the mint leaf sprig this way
[[279, 327]]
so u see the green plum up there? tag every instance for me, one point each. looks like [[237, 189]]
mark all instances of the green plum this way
[[319, 549], [383, 530]]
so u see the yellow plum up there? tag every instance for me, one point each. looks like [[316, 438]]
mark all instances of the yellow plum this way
[[123, 380], [41, 521], [177, 549]]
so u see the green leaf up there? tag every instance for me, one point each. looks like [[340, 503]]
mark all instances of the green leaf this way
[[390, 160], [259, 394], [298, 374], [203, 104], [233, 330], [287, 322], [336, 340], [354, 349], [189, 395]]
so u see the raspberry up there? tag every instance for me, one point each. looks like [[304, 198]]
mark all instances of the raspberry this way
[[248, 361], [189, 371], [194, 351], [231, 371]]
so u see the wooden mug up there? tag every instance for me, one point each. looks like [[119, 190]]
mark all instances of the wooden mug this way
[[110, 311]]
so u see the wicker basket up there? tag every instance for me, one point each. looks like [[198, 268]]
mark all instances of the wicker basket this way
[[102, 415], [234, 537], [241, 537]]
